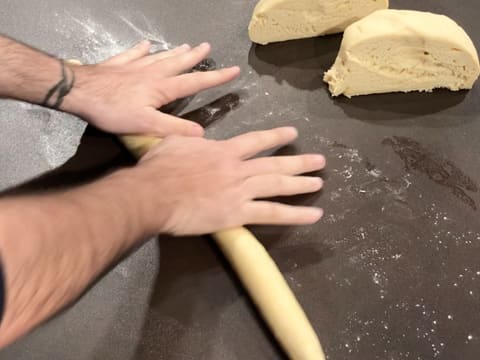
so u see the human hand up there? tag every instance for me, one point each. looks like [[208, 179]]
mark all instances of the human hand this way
[[199, 186], [123, 94]]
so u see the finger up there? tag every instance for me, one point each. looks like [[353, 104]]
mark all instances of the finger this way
[[162, 125], [148, 60], [189, 84], [250, 144], [185, 62], [285, 165], [266, 186], [270, 213], [140, 50]]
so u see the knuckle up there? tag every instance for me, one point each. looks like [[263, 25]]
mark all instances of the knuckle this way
[[276, 135], [305, 162], [274, 212], [245, 214], [261, 137], [171, 140], [269, 137], [164, 96], [277, 165], [229, 167], [206, 79], [146, 122], [185, 127], [247, 191], [284, 165], [279, 182]]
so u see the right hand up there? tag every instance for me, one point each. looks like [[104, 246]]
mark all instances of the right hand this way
[[193, 186]]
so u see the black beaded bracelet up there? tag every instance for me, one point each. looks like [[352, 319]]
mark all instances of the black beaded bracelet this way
[[61, 89]]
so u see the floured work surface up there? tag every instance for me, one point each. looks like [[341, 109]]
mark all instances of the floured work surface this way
[[392, 271]]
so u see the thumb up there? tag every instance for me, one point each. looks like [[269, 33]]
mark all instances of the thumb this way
[[159, 124]]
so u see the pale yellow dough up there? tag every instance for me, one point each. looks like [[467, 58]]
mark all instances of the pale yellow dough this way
[[402, 50], [271, 294], [280, 20]]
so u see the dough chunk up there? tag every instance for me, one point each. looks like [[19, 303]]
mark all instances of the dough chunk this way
[[403, 51], [280, 20]]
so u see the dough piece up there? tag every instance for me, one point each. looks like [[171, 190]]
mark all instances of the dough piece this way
[[280, 20], [402, 50], [271, 294], [139, 145]]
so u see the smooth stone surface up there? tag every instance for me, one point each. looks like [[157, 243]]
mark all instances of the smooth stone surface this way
[[392, 271]]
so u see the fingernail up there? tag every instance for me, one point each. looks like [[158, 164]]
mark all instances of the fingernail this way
[[313, 215], [318, 213], [236, 69], [196, 130], [315, 181], [320, 160], [292, 131], [204, 45], [142, 44]]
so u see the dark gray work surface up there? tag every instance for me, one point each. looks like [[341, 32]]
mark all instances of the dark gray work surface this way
[[393, 270]]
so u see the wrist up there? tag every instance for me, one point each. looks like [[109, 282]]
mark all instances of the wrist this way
[[150, 213], [131, 194], [31, 75], [78, 101], [30, 82]]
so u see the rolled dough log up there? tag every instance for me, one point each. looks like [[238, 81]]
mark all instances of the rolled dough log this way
[[139, 145], [270, 292], [261, 277]]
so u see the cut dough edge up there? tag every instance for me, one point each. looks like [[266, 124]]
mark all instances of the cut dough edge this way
[[403, 51]]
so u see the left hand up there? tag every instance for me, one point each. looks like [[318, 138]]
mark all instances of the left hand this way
[[123, 94]]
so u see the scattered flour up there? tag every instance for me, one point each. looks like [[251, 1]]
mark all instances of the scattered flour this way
[[61, 133], [150, 33], [95, 42], [98, 41], [383, 209]]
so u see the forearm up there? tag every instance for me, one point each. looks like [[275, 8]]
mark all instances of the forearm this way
[[26, 74], [54, 246]]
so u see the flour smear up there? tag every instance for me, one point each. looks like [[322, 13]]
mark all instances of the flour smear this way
[[97, 41]]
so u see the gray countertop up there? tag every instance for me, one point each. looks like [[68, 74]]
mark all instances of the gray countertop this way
[[392, 272]]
